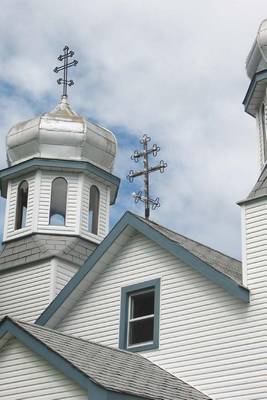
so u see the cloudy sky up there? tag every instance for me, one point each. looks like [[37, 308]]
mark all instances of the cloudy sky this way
[[172, 69]]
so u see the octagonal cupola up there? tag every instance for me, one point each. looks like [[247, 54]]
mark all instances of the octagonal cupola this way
[[59, 179], [61, 134]]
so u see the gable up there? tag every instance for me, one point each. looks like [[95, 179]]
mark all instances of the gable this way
[[112, 245], [26, 375], [183, 295]]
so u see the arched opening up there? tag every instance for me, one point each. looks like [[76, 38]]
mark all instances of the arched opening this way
[[263, 127], [93, 210], [58, 202], [22, 204]]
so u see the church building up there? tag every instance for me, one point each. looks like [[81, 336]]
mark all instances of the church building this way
[[132, 313]]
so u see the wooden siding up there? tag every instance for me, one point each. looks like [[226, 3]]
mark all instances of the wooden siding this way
[[24, 375], [208, 338], [64, 272], [10, 232], [25, 291], [103, 208]]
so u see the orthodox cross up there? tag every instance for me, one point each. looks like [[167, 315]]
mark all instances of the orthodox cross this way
[[66, 65], [137, 155]]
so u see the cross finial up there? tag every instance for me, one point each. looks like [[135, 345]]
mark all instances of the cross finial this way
[[140, 196], [65, 57]]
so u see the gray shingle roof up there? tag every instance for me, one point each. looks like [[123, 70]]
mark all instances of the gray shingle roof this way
[[219, 261], [260, 188], [41, 246], [114, 369]]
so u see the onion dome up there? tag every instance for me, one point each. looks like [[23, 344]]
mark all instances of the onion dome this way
[[61, 134], [257, 58]]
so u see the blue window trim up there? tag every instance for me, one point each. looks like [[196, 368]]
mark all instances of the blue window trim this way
[[125, 293]]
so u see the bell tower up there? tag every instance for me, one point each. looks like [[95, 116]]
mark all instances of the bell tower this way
[[254, 207], [58, 188]]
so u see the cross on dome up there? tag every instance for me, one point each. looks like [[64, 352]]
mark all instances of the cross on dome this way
[[66, 65]]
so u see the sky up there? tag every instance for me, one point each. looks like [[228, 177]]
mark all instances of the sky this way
[[171, 69]]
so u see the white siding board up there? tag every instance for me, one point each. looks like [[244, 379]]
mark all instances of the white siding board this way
[[24, 375], [25, 291], [207, 337], [64, 272]]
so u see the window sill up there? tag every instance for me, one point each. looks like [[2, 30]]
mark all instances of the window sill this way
[[143, 347]]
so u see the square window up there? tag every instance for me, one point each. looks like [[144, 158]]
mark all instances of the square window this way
[[139, 325]]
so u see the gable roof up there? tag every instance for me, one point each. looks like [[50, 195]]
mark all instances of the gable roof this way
[[219, 261], [38, 247], [105, 367], [190, 252]]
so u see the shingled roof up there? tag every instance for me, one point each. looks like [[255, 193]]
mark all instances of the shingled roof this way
[[42, 246], [260, 188], [221, 262], [113, 369]]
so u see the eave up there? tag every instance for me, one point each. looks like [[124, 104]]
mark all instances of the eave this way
[[59, 165], [255, 93]]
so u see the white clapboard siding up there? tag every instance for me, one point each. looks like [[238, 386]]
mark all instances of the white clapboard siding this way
[[208, 338], [64, 272], [25, 292], [10, 232], [24, 375], [103, 207], [73, 201]]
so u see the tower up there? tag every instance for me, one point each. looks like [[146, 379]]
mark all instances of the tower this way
[[254, 207], [58, 188]]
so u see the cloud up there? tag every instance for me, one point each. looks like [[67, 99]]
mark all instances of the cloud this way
[[172, 69]]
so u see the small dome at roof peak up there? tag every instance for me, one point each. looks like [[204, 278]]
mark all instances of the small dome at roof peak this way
[[61, 134]]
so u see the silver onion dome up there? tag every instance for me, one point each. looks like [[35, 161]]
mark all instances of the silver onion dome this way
[[61, 134]]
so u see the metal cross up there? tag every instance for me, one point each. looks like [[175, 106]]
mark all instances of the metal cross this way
[[140, 196], [65, 57]]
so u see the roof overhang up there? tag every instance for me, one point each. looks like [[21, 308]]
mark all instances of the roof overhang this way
[[59, 165], [10, 328], [255, 93], [97, 261]]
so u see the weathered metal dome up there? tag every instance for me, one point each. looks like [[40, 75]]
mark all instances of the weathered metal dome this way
[[61, 134]]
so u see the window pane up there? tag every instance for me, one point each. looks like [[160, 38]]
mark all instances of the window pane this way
[[142, 304], [58, 202], [141, 331], [22, 204]]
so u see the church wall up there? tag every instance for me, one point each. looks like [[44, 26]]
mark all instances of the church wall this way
[[9, 229], [64, 272], [208, 338], [24, 375], [26, 291]]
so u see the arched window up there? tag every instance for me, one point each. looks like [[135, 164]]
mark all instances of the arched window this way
[[58, 202], [93, 210], [263, 127], [22, 204]]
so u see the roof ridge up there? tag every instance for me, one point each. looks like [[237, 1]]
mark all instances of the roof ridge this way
[[186, 237]]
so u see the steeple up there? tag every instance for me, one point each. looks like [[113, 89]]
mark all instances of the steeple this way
[[255, 101], [254, 207], [58, 188]]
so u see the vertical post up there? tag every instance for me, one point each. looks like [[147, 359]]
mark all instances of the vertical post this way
[[146, 180], [65, 80]]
